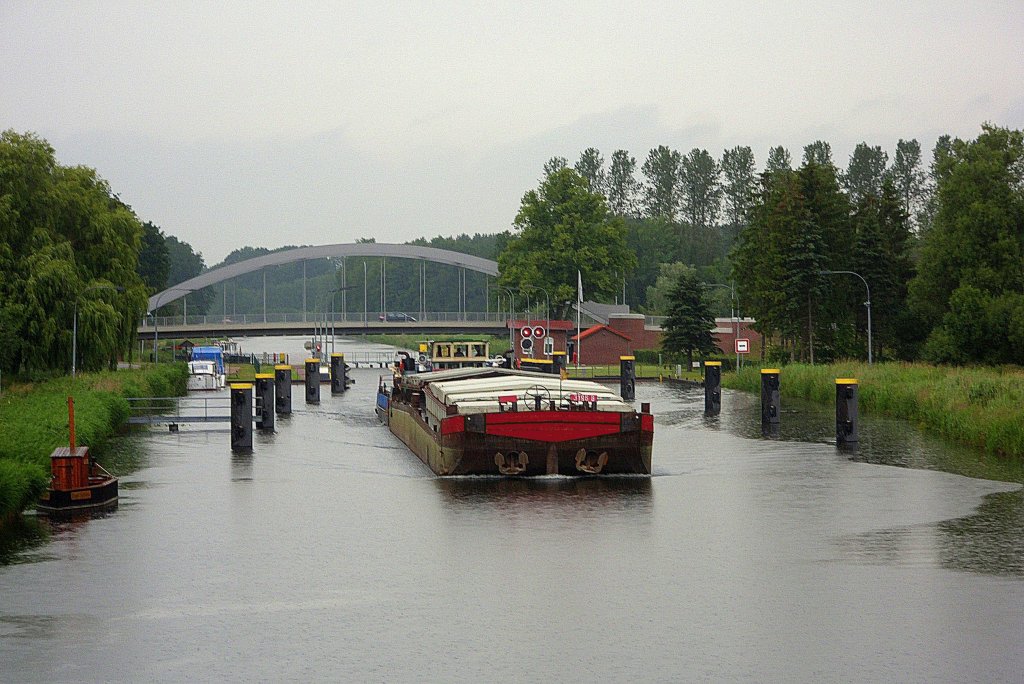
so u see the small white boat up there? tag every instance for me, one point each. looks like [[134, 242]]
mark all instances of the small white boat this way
[[203, 375]]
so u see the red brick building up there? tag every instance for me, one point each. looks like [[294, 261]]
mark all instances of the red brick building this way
[[558, 331], [624, 334]]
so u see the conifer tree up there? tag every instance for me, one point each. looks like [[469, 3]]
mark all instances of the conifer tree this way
[[689, 323]]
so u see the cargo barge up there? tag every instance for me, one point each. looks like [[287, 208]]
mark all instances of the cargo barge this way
[[498, 421]]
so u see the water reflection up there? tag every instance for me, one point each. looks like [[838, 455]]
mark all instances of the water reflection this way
[[19, 537], [588, 493], [988, 541]]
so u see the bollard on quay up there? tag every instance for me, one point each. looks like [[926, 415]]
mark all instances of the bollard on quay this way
[[627, 377], [712, 388], [339, 374], [241, 418], [265, 403], [769, 396], [846, 411], [283, 389]]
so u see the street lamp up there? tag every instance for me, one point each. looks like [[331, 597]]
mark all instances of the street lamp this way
[[547, 308], [511, 316], [156, 321], [74, 325], [867, 304], [732, 314]]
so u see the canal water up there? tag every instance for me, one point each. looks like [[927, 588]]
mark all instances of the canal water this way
[[332, 554]]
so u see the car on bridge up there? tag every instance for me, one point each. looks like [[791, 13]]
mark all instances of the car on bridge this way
[[396, 317]]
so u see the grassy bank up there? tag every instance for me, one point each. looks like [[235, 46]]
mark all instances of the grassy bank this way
[[34, 421], [981, 407]]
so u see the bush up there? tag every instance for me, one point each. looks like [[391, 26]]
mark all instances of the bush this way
[[34, 421]]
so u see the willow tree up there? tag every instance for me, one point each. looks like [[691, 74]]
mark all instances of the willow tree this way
[[65, 240], [563, 227]]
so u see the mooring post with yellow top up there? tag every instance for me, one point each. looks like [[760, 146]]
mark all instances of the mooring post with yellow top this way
[[312, 381], [339, 379], [560, 361], [241, 417], [712, 388], [265, 403], [627, 377], [769, 396], [283, 389], [846, 411]]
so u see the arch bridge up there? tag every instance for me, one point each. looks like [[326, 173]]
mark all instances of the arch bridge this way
[[280, 323]]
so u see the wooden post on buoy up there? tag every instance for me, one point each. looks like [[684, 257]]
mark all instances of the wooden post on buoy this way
[[283, 389], [712, 388], [241, 418], [846, 411], [312, 381], [71, 423]]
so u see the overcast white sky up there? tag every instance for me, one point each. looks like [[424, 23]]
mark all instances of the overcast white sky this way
[[265, 124]]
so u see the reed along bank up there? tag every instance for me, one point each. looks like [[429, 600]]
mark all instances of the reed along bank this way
[[34, 421], [981, 407]]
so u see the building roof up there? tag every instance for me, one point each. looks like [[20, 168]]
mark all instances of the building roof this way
[[597, 328]]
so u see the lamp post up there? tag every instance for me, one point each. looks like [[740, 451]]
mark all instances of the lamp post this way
[[74, 324], [867, 304], [511, 315], [547, 309], [156, 321], [732, 315]]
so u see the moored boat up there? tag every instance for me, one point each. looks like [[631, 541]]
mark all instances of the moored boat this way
[[497, 421], [77, 481], [202, 375], [206, 369]]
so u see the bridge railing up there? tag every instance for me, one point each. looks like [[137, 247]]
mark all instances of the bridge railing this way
[[350, 318], [150, 410]]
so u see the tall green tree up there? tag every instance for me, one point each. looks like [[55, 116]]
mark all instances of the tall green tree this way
[[690, 321], [930, 201], [907, 176], [661, 187], [622, 187], [818, 152], [563, 227], [154, 262], [185, 263], [555, 164], [865, 172], [591, 167], [700, 192], [659, 295], [778, 160], [972, 258], [650, 240], [740, 184]]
